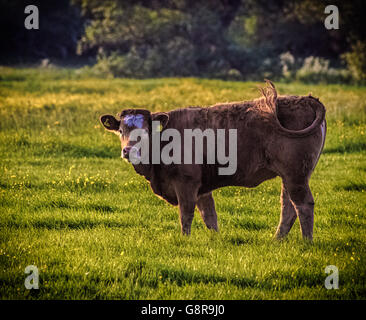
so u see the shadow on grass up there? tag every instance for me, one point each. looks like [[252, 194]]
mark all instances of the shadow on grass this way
[[61, 204], [351, 186], [346, 148], [347, 244], [276, 280], [55, 148], [182, 277], [69, 185], [74, 150], [239, 241], [141, 273], [59, 224], [250, 225]]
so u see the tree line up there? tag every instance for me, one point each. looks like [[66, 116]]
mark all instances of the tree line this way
[[236, 39]]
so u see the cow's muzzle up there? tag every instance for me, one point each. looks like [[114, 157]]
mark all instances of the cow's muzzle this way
[[127, 150]]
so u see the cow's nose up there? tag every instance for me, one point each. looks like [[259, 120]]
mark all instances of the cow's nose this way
[[126, 152]]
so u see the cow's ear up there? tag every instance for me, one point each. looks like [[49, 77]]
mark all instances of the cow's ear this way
[[109, 122], [162, 117]]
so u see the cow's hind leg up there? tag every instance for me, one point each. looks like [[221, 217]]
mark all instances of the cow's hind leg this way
[[288, 215], [206, 206], [303, 201]]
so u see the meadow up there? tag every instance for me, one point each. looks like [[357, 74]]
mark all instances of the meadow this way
[[70, 206]]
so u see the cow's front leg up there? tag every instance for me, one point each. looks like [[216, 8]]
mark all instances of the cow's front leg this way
[[186, 214], [206, 206], [187, 198]]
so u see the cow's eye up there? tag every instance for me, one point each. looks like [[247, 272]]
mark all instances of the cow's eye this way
[[120, 132]]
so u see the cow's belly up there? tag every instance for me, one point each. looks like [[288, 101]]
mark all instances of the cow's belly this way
[[256, 178], [248, 180]]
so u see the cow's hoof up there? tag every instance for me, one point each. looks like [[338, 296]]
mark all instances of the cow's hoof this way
[[279, 236]]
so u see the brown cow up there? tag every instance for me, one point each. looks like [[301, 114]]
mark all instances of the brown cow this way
[[276, 136]]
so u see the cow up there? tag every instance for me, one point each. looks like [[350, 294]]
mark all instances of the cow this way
[[276, 136]]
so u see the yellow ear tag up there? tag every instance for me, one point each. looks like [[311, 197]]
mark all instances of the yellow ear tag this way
[[106, 123], [159, 128]]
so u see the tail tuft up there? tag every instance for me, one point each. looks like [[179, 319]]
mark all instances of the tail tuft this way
[[269, 94], [268, 106]]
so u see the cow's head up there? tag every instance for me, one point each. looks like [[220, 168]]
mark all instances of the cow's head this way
[[129, 120]]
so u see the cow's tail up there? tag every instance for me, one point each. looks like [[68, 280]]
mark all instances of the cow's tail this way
[[270, 95]]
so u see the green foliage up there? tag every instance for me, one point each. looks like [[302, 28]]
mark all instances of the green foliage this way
[[233, 40], [136, 41], [229, 40], [168, 61], [356, 61], [95, 230]]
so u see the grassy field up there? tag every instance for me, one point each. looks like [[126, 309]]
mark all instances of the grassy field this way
[[70, 206]]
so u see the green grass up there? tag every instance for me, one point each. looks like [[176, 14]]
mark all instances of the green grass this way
[[95, 230]]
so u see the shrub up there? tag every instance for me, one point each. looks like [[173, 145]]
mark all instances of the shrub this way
[[172, 59], [287, 62], [316, 69], [356, 61]]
